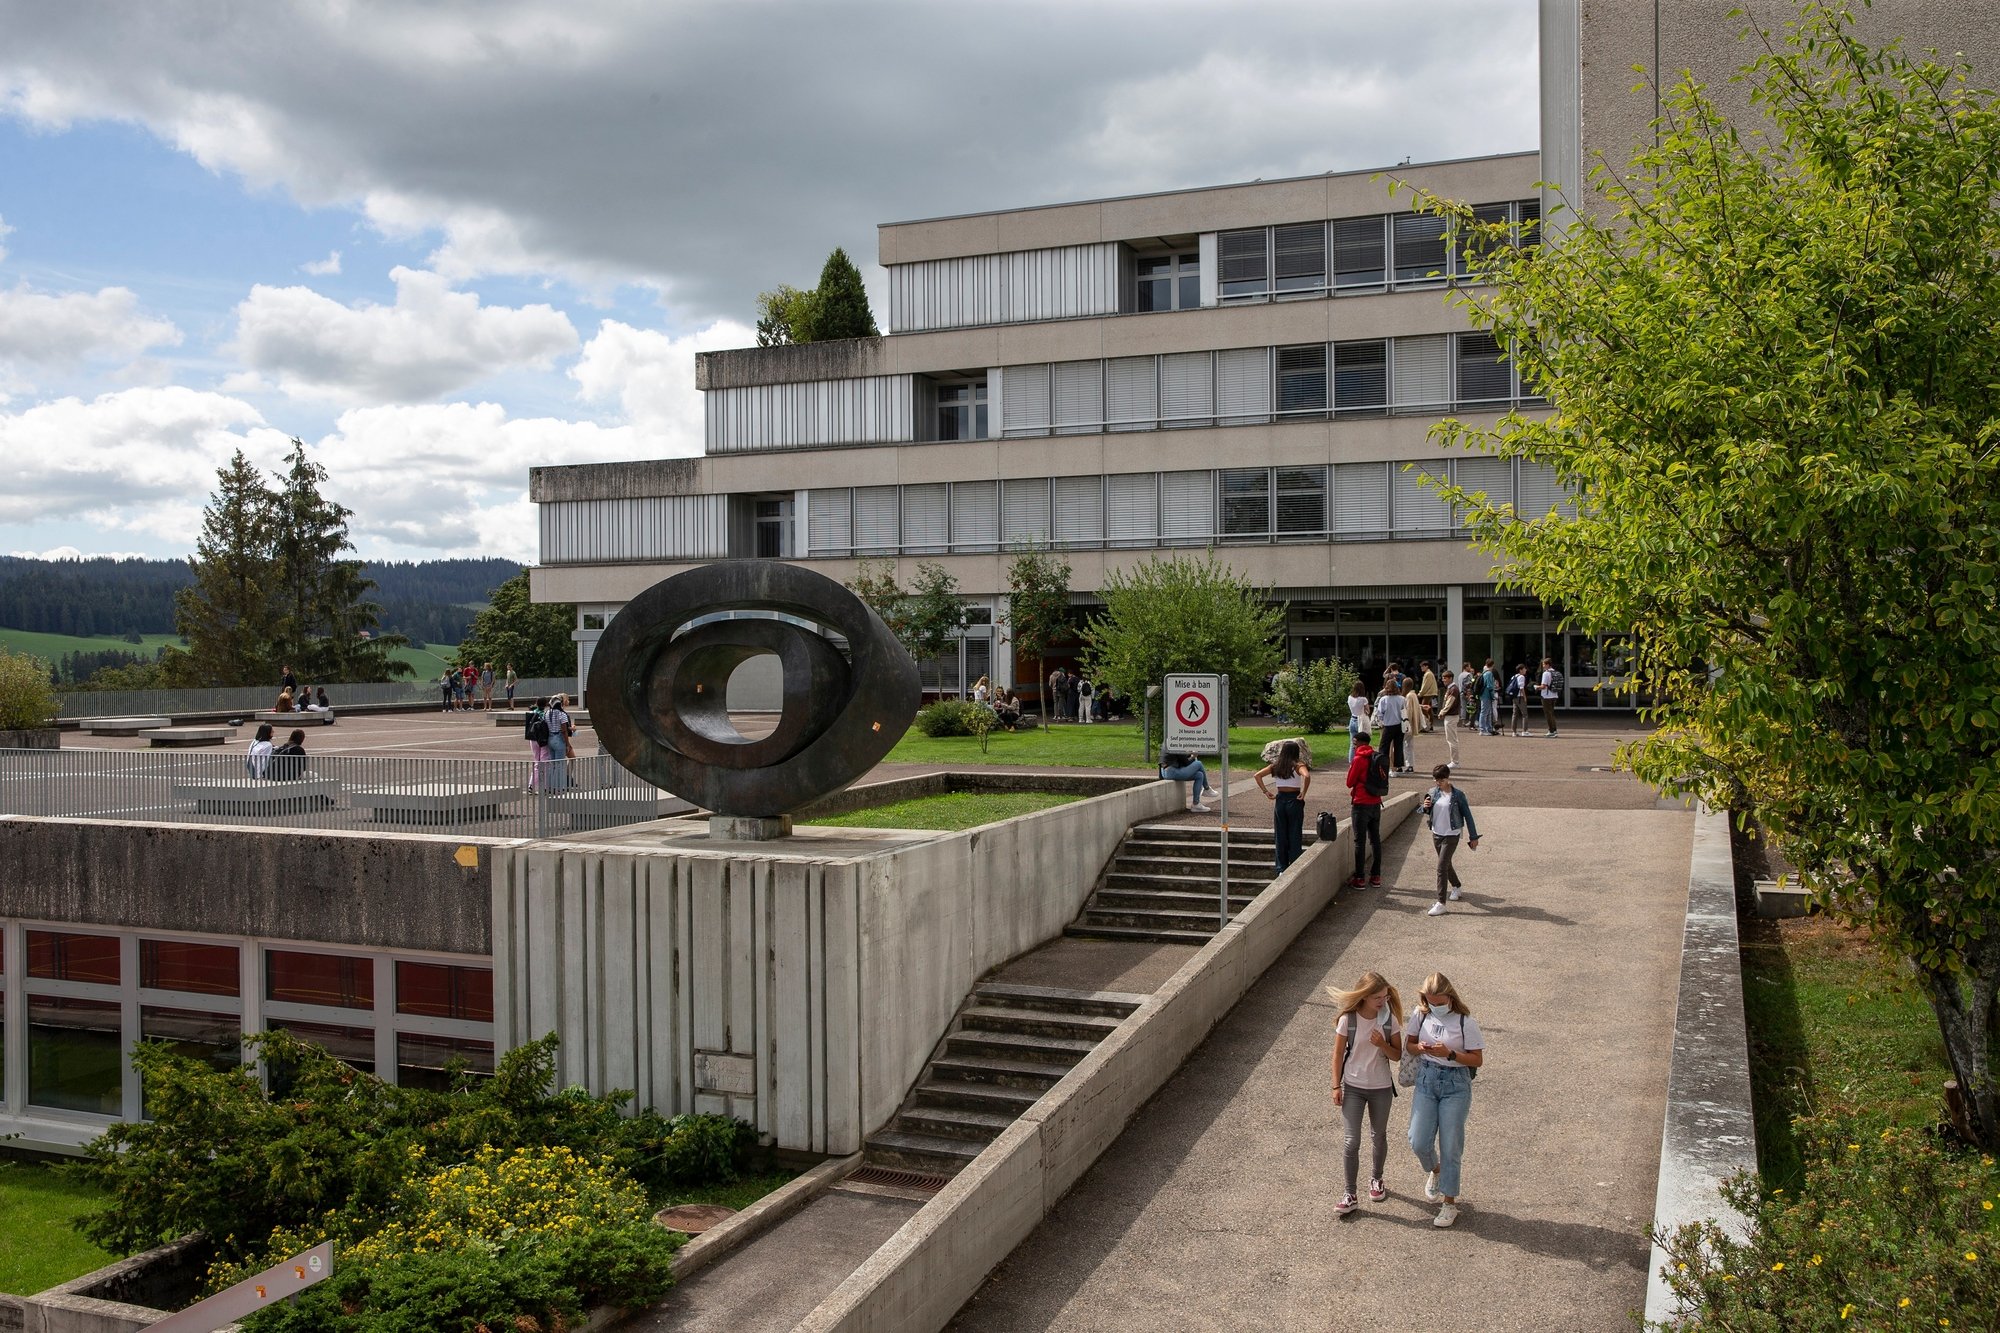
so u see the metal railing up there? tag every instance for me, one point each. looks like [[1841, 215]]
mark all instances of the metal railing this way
[[507, 798], [249, 699]]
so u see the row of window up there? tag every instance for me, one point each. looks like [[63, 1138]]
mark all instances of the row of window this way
[[1345, 502], [1245, 386], [1391, 251], [85, 998]]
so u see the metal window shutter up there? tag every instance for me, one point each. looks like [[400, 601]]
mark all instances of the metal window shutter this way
[[1302, 378], [1078, 393], [1024, 511], [1482, 376], [1243, 386], [1132, 393], [1420, 247], [1299, 256], [1025, 400], [1527, 221], [1540, 492], [1187, 389], [1132, 508], [1488, 476], [975, 514], [1360, 499], [876, 522], [926, 517], [1420, 370], [1360, 252], [1418, 508], [1187, 506], [1470, 245], [1301, 500], [1246, 501], [829, 520], [1079, 505], [1241, 255], [978, 658], [1361, 376]]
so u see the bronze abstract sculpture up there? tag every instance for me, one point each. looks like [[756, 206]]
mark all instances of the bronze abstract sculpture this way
[[659, 684]]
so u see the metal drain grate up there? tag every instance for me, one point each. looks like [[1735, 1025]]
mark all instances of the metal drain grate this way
[[881, 1175]]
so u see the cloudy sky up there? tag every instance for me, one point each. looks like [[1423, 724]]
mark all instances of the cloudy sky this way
[[443, 242]]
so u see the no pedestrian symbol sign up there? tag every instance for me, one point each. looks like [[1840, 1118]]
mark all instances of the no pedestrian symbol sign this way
[[1196, 708]]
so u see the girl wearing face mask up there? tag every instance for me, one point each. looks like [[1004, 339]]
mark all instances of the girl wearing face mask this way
[[1441, 1028], [1366, 1040]]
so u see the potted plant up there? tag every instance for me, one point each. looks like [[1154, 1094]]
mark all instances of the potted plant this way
[[27, 704]]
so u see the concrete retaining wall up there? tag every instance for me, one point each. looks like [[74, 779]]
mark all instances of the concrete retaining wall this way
[[121, 1297], [799, 991], [921, 1276], [875, 794]]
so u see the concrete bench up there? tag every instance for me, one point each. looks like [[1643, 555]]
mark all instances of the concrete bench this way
[[305, 719], [123, 726], [435, 802], [609, 807], [258, 796], [519, 718], [171, 737]]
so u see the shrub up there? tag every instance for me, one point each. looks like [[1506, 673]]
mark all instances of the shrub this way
[[1314, 696], [26, 697], [954, 717], [1889, 1227]]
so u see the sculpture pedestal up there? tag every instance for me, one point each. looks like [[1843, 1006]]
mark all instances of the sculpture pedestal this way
[[749, 828]]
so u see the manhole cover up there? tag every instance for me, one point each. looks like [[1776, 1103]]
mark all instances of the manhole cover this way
[[693, 1218]]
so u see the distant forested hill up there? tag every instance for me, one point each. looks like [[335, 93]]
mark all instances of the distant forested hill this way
[[431, 601]]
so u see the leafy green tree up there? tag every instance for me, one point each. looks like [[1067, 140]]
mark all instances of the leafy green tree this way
[[27, 698], [1772, 365], [839, 305], [227, 615], [1037, 617], [533, 636], [932, 615], [876, 584], [1183, 613], [782, 313], [1314, 696]]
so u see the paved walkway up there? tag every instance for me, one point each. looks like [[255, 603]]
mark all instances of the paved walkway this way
[[1214, 1210]]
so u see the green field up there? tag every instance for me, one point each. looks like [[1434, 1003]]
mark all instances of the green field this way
[[1097, 745], [426, 661], [951, 811], [38, 1249]]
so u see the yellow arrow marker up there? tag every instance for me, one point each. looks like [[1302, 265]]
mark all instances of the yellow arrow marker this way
[[467, 857]]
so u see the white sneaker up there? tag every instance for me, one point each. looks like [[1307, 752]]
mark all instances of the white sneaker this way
[[1348, 1203], [1431, 1186], [1198, 809], [1455, 893], [1446, 1216], [1437, 909]]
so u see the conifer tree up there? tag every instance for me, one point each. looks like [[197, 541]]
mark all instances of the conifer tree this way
[[324, 611], [226, 615], [839, 305]]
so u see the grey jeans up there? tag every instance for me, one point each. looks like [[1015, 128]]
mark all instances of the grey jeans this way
[[1447, 876], [1375, 1101]]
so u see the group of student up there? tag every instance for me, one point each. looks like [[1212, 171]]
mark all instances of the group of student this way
[[1006, 705], [470, 686], [296, 698], [551, 736], [1408, 705], [280, 762]]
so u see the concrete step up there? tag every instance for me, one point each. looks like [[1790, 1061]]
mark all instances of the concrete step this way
[[952, 1122], [929, 1154], [1150, 918], [1203, 833], [992, 1098], [1001, 1071], [1091, 1028], [1088, 931], [1243, 864], [1192, 899], [1238, 882], [1057, 1052], [1116, 1004]]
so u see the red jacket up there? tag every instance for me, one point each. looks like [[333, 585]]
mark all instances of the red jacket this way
[[1357, 775]]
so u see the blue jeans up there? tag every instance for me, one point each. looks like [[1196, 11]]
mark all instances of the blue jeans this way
[[1437, 1121], [1192, 771], [1288, 825]]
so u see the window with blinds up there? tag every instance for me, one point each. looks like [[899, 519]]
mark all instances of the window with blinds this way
[[1299, 257], [1360, 253], [1361, 499], [1131, 392], [1539, 493], [1361, 376], [926, 518], [1132, 508], [1243, 262], [1187, 389], [1302, 380], [1024, 511], [1483, 475], [1301, 501], [1526, 389], [1079, 505], [975, 515], [1419, 510], [1024, 400], [1243, 386], [1420, 373], [1483, 378], [1527, 222], [1420, 247], [1472, 243], [829, 521], [876, 520], [1187, 507], [1246, 502], [1077, 389]]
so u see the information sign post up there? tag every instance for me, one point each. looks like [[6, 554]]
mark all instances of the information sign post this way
[[1198, 722]]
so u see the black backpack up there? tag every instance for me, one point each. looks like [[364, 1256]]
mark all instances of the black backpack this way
[[538, 726], [1329, 827], [1377, 781]]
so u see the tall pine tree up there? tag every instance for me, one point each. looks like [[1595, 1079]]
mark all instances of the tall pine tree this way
[[227, 614], [325, 622], [839, 305]]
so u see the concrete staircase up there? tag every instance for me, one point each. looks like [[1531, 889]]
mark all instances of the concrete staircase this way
[[1163, 882], [1007, 1046]]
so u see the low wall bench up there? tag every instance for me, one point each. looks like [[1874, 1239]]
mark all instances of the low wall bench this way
[[519, 720], [258, 796], [167, 738], [435, 802], [307, 718], [123, 726], [609, 807]]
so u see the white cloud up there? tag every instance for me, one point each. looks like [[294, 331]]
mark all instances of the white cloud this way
[[321, 268], [650, 376], [431, 342], [72, 553], [67, 327], [5, 230]]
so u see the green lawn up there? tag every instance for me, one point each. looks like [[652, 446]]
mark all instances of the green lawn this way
[[51, 647], [1095, 745], [737, 1194], [37, 1247], [951, 811]]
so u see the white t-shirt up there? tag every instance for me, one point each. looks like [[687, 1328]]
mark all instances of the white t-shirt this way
[[1441, 817], [1549, 683], [1390, 710], [1367, 1064], [1458, 1031], [1358, 711]]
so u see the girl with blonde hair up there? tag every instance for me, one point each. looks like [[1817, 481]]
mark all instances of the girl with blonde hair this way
[[1366, 1043], [1441, 1028]]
